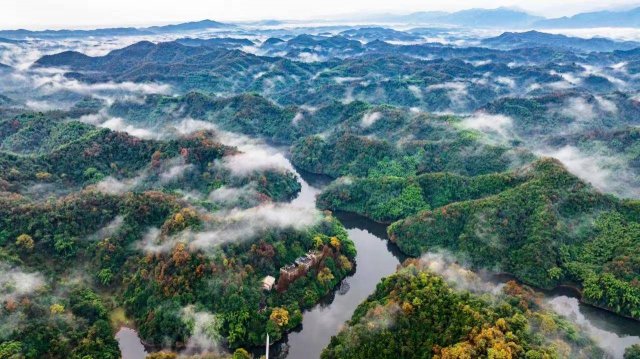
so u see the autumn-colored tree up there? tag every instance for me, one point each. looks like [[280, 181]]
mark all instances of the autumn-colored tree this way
[[407, 308], [43, 176], [345, 263], [335, 243], [280, 316], [56, 308], [180, 254], [10, 305], [317, 242], [325, 275], [25, 241], [179, 221], [241, 353], [162, 355], [155, 159]]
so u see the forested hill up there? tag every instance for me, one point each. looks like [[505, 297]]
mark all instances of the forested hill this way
[[399, 319]]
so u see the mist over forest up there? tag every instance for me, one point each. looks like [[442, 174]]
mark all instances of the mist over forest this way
[[198, 189]]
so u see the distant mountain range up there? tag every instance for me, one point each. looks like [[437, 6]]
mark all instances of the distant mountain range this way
[[499, 17], [474, 18], [190, 26], [8, 41], [627, 18], [517, 40], [513, 18], [22, 34]]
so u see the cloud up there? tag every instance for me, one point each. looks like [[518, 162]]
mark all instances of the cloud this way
[[621, 34], [567, 77], [49, 84], [57, 82], [168, 171], [478, 63], [119, 124], [246, 163], [457, 275], [152, 242], [234, 225], [340, 80], [239, 224], [112, 185], [380, 317], [175, 168], [607, 174], [244, 224], [533, 87], [456, 90], [620, 66], [578, 109], [370, 118], [415, 90], [15, 283], [310, 57], [560, 85], [19, 56], [609, 341], [607, 105], [205, 331], [254, 155], [507, 81], [497, 127], [107, 231], [41, 105], [297, 118], [234, 196], [598, 71], [188, 126]]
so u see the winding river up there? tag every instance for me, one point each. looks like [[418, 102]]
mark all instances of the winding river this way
[[376, 259]]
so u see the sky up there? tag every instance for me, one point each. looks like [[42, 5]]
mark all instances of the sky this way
[[41, 14]]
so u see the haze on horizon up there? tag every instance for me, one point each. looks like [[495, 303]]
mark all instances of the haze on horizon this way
[[56, 14]]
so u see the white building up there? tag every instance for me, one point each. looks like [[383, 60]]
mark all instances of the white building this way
[[268, 282]]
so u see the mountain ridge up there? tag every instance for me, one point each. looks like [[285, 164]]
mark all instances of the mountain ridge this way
[[21, 34], [533, 38]]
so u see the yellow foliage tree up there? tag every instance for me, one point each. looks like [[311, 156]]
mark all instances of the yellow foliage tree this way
[[56, 308], [345, 263], [280, 316], [241, 353], [43, 176], [317, 242], [489, 342], [25, 241], [335, 242], [178, 218], [162, 355], [325, 275], [407, 308]]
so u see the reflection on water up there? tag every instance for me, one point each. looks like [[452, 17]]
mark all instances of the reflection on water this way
[[373, 262], [130, 345], [375, 259]]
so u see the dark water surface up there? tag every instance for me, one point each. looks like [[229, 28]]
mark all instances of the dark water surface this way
[[375, 260]]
